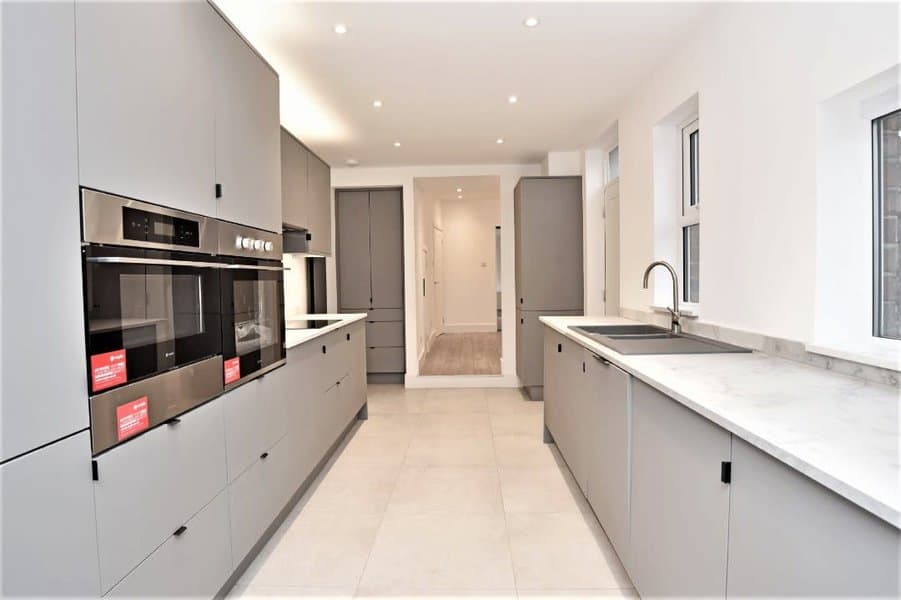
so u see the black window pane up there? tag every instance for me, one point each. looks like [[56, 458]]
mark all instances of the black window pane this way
[[691, 239]]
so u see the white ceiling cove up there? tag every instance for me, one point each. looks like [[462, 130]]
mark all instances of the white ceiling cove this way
[[444, 72]]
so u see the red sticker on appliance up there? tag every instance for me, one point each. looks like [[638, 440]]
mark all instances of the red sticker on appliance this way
[[108, 370], [132, 417], [232, 370]]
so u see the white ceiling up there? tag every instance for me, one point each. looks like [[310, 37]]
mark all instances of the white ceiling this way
[[475, 187], [444, 72]]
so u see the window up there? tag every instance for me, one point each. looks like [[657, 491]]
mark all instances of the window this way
[[691, 211], [887, 226], [613, 164]]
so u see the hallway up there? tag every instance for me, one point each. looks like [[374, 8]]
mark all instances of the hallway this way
[[441, 493], [463, 354]]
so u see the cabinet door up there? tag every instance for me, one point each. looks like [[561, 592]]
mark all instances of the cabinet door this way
[[387, 248], [574, 410], [553, 383], [248, 138], [47, 523], [549, 231], [40, 178], [790, 536], [320, 203], [607, 448], [356, 371], [145, 97], [294, 182], [248, 508], [353, 260], [529, 348], [680, 508], [193, 564]]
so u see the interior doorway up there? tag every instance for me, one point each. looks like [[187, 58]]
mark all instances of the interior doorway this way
[[459, 310]]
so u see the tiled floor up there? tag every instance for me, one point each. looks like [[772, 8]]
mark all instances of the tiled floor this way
[[441, 493]]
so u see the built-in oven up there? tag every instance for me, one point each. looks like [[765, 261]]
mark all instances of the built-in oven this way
[[153, 323], [253, 303]]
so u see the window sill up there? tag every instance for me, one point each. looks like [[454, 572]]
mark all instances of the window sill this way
[[884, 357], [692, 311]]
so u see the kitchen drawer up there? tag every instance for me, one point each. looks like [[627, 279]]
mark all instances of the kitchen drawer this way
[[384, 314], [150, 486], [257, 495], [385, 360], [255, 418], [193, 564], [384, 334], [336, 356]]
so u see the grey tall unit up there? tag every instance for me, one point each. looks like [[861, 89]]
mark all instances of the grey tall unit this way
[[369, 234], [548, 238]]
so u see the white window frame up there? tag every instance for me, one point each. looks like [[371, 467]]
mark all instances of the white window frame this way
[[608, 172], [690, 214]]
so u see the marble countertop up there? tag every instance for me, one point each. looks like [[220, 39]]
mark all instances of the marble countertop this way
[[838, 430], [296, 337]]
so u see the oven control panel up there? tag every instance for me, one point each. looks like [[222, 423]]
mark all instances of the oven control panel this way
[[238, 240], [248, 243]]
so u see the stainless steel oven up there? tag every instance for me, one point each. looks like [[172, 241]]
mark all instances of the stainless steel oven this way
[[153, 323], [253, 305]]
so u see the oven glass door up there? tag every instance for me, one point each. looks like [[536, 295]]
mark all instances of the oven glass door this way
[[148, 311], [253, 324]]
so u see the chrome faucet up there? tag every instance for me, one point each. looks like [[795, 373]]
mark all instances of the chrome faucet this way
[[674, 311]]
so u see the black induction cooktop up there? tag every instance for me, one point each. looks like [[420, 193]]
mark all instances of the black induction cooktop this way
[[309, 323]]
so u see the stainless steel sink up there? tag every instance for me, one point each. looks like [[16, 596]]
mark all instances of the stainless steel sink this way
[[648, 339]]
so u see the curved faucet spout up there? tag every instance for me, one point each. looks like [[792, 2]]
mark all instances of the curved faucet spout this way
[[676, 325]]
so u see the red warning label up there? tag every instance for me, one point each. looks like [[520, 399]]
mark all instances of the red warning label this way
[[108, 370], [232, 368], [132, 417]]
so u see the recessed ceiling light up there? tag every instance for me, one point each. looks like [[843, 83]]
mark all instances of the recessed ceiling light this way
[[512, 99], [377, 103], [340, 28], [500, 140], [531, 21], [352, 162], [397, 144], [460, 196], [459, 190]]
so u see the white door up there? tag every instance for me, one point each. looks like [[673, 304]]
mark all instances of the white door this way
[[611, 248], [438, 271]]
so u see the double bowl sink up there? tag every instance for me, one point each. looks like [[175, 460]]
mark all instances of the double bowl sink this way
[[648, 339]]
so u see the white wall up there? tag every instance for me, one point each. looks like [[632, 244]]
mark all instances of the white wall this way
[[562, 163], [470, 296], [403, 177], [759, 71], [295, 284]]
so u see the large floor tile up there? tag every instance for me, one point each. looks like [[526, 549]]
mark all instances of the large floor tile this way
[[318, 550], [545, 489], [463, 490], [396, 425], [416, 554], [466, 451], [455, 401], [503, 401], [437, 425], [563, 551], [523, 451], [393, 399], [521, 423], [253, 592], [373, 450], [442, 595], [353, 489], [614, 594]]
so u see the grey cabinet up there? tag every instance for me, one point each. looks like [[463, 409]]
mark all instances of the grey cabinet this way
[[254, 420], [790, 536], [43, 396], [306, 193], [146, 84], [679, 506], [530, 348], [369, 238], [566, 401], [47, 523], [548, 242], [247, 134], [606, 422], [194, 562], [166, 475]]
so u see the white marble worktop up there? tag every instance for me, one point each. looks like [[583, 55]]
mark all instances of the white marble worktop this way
[[296, 337], [838, 430]]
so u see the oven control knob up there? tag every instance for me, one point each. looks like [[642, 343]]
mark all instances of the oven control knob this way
[[258, 244], [239, 241], [267, 246], [247, 243]]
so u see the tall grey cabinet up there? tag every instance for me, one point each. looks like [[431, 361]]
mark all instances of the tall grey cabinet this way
[[369, 238], [306, 193], [549, 281]]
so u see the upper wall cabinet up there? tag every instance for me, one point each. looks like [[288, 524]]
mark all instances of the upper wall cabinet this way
[[306, 193], [248, 150], [145, 98], [172, 101]]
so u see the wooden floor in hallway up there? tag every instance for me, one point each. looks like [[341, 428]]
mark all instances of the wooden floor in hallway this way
[[463, 354], [441, 494]]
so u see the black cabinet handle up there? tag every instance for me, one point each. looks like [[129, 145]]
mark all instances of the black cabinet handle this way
[[522, 321], [173, 421], [726, 471], [218, 190], [348, 337], [323, 349], [583, 366], [309, 236], [264, 455], [520, 300], [600, 359], [559, 347], [180, 530], [95, 471]]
